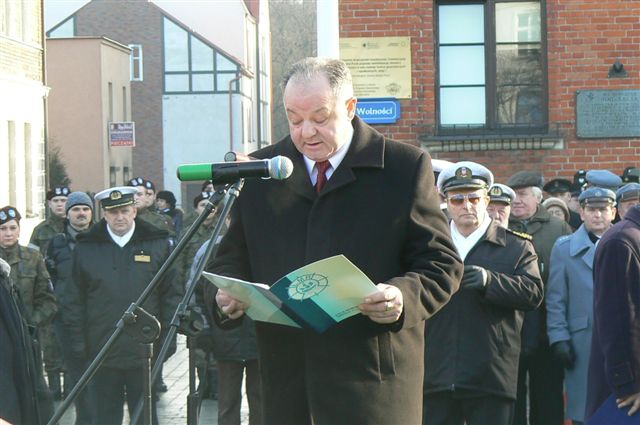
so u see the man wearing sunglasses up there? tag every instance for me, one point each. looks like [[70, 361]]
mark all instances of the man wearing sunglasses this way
[[471, 364]]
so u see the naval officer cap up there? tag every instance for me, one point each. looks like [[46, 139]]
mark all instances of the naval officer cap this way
[[628, 191], [464, 175], [501, 193], [115, 197], [603, 178], [525, 178], [557, 186], [597, 196]]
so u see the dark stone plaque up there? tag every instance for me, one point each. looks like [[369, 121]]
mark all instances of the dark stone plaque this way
[[607, 113]]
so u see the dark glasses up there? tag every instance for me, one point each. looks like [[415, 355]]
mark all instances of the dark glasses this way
[[459, 199]]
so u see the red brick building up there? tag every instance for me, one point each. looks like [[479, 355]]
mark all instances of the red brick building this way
[[498, 81]]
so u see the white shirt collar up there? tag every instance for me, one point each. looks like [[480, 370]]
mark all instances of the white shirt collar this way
[[335, 160], [464, 244], [124, 239]]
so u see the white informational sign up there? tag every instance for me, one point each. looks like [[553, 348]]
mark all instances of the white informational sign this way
[[122, 134]]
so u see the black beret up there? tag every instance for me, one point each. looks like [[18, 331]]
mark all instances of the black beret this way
[[9, 213], [557, 186]]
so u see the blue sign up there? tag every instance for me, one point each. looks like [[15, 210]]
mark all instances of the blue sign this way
[[378, 111]]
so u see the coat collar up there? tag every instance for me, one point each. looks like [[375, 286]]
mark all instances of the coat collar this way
[[143, 231], [581, 245], [496, 234], [366, 150]]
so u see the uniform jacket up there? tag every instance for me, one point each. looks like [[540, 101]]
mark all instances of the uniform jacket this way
[[381, 211], [106, 279], [30, 276], [18, 375], [159, 220], [614, 366], [570, 311], [545, 230], [473, 344], [45, 231]]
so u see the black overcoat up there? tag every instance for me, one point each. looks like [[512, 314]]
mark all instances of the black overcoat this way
[[106, 279], [380, 209], [473, 344], [614, 366]]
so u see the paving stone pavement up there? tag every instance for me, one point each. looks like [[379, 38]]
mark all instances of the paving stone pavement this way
[[172, 405]]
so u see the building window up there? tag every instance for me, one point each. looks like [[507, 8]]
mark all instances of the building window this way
[[490, 59], [11, 135], [28, 170], [136, 62], [193, 66], [113, 175]]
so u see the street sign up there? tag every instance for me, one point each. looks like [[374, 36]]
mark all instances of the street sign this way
[[379, 110], [122, 134]]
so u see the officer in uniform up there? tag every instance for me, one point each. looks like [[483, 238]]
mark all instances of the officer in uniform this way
[[500, 198], [145, 204], [112, 265], [627, 197], [569, 296], [54, 224], [473, 343], [561, 188], [29, 274]]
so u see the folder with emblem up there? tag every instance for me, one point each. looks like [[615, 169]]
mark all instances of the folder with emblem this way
[[316, 296]]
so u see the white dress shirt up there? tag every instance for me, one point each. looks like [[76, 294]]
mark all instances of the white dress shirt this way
[[335, 160], [121, 240]]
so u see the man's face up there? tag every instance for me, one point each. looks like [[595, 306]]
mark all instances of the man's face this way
[[574, 204], [626, 205], [500, 212], [80, 216], [140, 197], [149, 197], [9, 233], [200, 208], [565, 196], [57, 204], [597, 218], [120, 219], [525, 204], [556, 212], [467, 208], [318, 122]]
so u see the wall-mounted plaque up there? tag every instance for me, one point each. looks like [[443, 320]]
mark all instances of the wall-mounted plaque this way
[[602, 114]]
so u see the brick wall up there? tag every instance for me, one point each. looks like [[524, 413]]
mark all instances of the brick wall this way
[[22, 58], [584, 39]]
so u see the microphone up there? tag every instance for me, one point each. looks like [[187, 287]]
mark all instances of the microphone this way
[[278, 168]]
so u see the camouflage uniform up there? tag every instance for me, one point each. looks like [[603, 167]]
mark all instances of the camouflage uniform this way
[[45, 231], [30, 276], [161, 221], [41, 237]]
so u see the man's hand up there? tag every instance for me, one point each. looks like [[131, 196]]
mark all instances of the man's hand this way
[[230, 306], [563, 352], [632, 400], [384, 306], [474, 277]]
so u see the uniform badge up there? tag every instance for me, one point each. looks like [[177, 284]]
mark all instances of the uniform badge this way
[[115, 195], [142, 258], [496, 191], [464, 173]]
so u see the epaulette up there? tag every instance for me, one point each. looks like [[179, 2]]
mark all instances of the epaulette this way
[[33, 247], [523, 235]]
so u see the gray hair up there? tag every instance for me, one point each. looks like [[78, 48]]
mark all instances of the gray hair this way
[[335, 70], [537, 192]]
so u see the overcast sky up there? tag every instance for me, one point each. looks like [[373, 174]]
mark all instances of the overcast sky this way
[[56, 10]]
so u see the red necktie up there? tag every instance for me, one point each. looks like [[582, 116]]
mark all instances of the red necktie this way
[[322, 168]]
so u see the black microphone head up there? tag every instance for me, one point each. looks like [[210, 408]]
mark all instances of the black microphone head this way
[[280, 167]]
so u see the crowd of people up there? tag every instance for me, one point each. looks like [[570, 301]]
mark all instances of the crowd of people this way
[[495, 304]]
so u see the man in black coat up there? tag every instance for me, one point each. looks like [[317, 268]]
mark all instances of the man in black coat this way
[[18, 400], [355, 193], [614, 365], [473, 344], [112, 264]]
